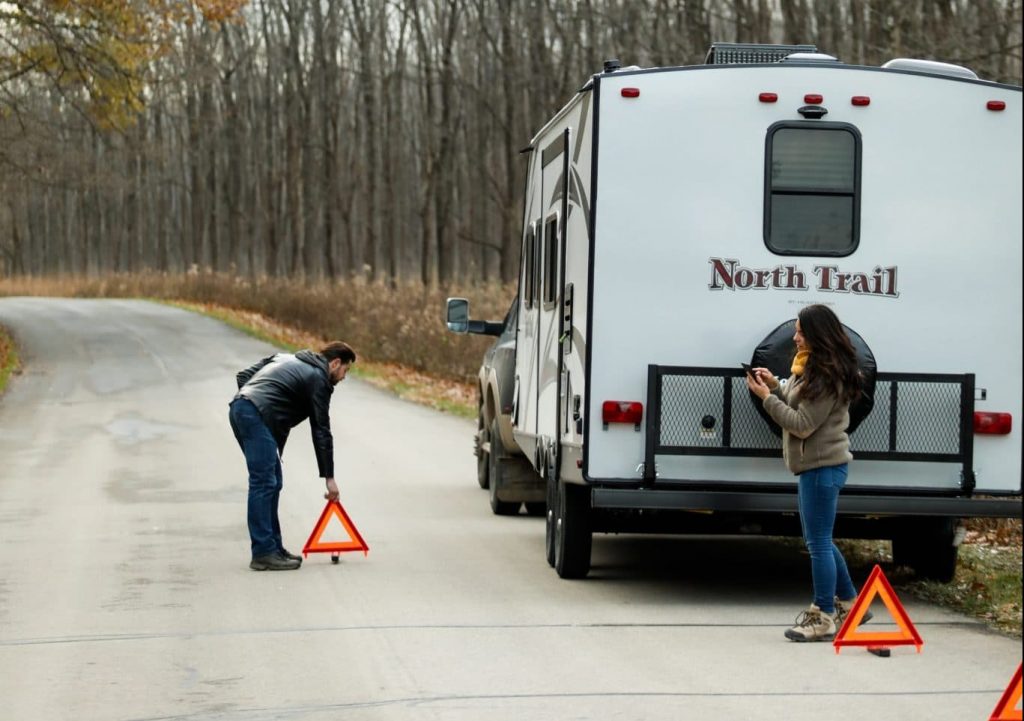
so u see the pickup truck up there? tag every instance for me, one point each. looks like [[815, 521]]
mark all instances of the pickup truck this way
[[502, 469]]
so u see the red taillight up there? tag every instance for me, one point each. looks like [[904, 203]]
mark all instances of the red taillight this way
[[768, 97], [622, 412], [631, 92], [814, 99], [996, 105], [993, 424], [860, 100]]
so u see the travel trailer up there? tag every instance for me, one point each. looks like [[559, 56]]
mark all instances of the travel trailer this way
[[677, 219]]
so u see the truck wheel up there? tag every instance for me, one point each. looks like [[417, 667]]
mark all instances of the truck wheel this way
[[536, 508], [572, 531], [550, 520], [496, 466], [482, 457], [928, 548]]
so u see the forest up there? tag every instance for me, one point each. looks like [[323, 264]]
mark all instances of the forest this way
[[325, 140]]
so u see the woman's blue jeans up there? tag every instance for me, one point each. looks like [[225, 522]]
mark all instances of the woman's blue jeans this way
[[818, 497], [265, 477]]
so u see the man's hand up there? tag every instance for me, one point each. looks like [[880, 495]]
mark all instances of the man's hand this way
[[332, 490]]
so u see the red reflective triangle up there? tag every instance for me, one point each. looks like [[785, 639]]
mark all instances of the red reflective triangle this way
[[877, 585], [333, 509], [1006, 709]]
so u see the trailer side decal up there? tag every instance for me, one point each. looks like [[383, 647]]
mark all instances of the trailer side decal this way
[[728, 274]]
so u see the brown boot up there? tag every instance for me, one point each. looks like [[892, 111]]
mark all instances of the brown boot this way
[[813, 625]]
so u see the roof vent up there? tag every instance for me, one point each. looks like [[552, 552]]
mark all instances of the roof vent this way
[[809, 58], [931, 67], [610, 66], [752, 53]]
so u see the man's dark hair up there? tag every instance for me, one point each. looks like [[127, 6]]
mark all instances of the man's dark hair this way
[[339, 350]]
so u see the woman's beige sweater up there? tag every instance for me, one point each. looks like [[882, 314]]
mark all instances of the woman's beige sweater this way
[[813, 433]]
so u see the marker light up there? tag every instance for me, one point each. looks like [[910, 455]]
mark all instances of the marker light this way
[[996, 105], [768, 97], [631, 92], [622, 412], [993, 424], [860, 100], [814, 99]]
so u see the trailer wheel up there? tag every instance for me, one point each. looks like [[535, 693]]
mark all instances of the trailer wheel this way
[[536, 508], [928, 548], [572, 531], [496, 465], [551, 520], [483, 460]]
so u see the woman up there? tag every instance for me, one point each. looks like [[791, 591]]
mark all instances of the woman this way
[[813, 409]]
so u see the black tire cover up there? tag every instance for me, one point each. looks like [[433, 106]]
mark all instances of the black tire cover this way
[[776, 353]]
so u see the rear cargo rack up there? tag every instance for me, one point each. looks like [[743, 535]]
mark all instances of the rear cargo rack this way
[[708, 412]]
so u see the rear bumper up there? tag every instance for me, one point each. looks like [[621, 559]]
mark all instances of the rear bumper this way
[[849, 504]]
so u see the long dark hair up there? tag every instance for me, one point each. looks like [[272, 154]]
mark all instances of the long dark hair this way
[[832, 365]]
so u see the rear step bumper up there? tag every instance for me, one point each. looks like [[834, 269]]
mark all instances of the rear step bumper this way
[[849, 504]]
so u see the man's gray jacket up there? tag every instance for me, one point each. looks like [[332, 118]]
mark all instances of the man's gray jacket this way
[[287, 389]]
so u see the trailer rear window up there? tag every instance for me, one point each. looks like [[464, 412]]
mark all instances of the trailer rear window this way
[[812, 189]]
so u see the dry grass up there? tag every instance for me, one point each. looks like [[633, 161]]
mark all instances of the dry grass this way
[[396, 324], [8, 359], [987, 584], [444, 394]]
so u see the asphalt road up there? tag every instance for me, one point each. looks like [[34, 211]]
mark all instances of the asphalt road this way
[[125, 592]]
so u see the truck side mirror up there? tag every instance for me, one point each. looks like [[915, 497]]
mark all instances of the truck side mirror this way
[[458, 315]]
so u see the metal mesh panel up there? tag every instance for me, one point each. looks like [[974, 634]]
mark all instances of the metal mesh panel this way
[[690, 401], [710, 411], [873, 433], [748, 428], [734, 53], [932, 412], [928, 419], [685, 401]]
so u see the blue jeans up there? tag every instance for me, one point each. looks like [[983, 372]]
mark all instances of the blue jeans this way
[[819, 495], [265, 478]]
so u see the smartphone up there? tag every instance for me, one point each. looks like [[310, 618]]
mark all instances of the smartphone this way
[[749, 369]]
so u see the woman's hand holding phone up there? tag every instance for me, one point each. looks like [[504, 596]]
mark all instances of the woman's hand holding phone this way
[[760, 381]]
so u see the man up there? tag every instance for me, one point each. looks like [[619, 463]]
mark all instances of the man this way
[[274, 396]]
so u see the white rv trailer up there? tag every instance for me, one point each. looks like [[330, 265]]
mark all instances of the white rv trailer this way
[[675, 218]]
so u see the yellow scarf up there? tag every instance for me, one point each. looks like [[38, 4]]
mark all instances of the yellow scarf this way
[[800, 362]]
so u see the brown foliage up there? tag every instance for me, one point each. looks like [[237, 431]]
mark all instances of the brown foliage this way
[[401, 324]]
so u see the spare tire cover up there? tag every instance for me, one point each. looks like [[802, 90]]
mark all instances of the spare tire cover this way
[[776, 353]]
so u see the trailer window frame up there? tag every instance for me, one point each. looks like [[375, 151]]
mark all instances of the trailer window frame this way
[[776, 193], [549, 253], [529, 267]]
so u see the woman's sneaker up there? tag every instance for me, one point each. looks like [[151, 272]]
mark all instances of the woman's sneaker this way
[[813, 625], [843, 610]]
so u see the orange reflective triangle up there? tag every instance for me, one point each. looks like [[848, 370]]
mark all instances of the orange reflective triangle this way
[[1007, 708], [333, 509], [877, 585]]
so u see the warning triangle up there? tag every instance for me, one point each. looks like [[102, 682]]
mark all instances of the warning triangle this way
[[1007, 709], [877, 585], [332, 510]]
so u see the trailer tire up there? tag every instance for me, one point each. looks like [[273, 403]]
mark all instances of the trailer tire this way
[[776, 352], [496, 466], [483, 460], [928, 549], [551, 520], [573, 538], [536, 508]]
